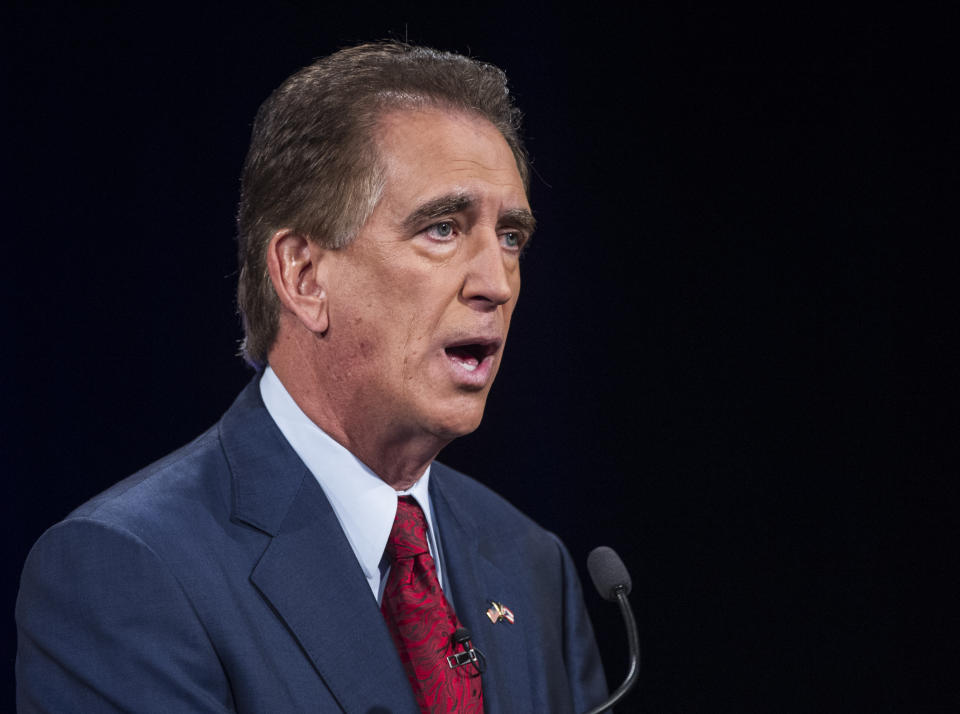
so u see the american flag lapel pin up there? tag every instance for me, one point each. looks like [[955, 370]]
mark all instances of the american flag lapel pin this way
[[498, 612]]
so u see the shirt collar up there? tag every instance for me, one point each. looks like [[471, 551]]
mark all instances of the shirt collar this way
[[364, 504]]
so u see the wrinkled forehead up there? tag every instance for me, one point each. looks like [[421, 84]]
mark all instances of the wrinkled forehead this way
[[431, 152], [434, 126]]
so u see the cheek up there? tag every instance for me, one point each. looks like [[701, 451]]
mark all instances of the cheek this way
[[416, 352], [365, 350]]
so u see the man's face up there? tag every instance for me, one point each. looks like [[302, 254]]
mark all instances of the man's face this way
[[420, 302]]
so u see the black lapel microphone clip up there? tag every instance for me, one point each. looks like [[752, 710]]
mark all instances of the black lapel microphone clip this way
[[470, 654]]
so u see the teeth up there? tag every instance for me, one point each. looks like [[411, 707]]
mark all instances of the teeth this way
[[468, 362]]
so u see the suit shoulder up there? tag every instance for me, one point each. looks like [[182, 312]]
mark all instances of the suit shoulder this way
[[194, 473]]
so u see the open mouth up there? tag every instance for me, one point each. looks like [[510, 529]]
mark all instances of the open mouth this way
[[470, 355]]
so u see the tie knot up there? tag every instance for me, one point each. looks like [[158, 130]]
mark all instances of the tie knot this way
[[408, 538]]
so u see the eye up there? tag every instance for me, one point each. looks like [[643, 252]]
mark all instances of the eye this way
[[441, 231], [512, 239]]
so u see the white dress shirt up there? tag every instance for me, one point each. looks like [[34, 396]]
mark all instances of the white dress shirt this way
[[364, 504]]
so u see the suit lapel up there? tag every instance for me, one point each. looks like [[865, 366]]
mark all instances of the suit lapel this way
[[309, 573], [311, 577], [479, 574]]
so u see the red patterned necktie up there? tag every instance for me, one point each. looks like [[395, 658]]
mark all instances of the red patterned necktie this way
[[422, 622]]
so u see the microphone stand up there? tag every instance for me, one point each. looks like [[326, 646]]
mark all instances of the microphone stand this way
[[633, 640]]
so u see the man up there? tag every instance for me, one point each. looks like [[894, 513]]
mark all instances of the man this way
[[263, 568]]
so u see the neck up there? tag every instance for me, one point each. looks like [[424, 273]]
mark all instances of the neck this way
[[398, 457]]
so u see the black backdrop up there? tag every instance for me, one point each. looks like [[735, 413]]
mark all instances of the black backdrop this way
[[704, 371]]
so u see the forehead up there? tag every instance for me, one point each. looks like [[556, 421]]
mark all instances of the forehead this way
[[428, 152]]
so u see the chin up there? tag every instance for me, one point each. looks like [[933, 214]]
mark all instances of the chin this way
[[458, 422]]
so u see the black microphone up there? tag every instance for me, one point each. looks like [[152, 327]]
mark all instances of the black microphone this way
[[461, 635], [470, 655], [612, 581]]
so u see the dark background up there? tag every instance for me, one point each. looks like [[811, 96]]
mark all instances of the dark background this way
[[708, 367]]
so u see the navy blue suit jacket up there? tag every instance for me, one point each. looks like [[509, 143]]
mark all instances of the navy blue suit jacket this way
[[218, 579]]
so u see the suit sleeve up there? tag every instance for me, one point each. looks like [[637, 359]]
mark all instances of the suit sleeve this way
[[584, 669], [104, 626]]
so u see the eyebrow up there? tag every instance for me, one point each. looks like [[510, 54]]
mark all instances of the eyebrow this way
[[520, 218], [458, 203], [438, 208]]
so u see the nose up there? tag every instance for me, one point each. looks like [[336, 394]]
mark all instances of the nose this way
[[491, 275]]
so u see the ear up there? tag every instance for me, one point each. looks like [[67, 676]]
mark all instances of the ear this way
[[296, 269]]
